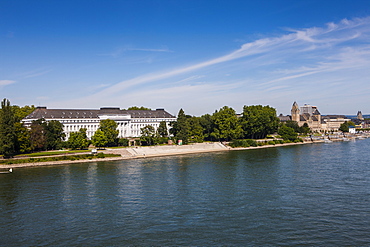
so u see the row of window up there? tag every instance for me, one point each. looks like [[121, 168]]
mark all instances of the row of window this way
[[79, 121]]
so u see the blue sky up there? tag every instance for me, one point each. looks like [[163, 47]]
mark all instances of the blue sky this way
[[191, 54]]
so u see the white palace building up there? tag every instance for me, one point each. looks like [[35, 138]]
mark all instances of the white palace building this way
[[129, 122]]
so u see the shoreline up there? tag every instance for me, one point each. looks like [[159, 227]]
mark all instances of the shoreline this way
[[155, 151]]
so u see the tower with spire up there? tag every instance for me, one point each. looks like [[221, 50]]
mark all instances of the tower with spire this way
[[295, 112], [359, 115]]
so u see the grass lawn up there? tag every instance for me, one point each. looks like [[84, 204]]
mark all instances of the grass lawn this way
[[57, 158], [55, 152]]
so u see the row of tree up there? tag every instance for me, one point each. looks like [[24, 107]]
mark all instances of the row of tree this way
[[224, 124], [14, 137]]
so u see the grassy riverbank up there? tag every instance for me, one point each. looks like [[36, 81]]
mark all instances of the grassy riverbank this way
[[56, 158]]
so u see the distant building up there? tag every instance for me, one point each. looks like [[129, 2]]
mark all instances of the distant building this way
[[307, 114], [312, 117], [361, 122], [365, 124], [129, 122], [333, 122], [359, 116]]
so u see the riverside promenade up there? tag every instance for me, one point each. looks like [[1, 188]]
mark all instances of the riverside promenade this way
[[154, 151], [134, 153], [167, 150]]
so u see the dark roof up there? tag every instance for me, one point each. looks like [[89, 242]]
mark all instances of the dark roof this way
[[284, 118], [305, 117], [316, 112], [333, 116], [159, 113], [43, 112]]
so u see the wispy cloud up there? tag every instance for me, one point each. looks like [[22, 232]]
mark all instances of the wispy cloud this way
[[298, 60], [35, 72], [293, 42], [6, 82], [94, 88], [119, 51]]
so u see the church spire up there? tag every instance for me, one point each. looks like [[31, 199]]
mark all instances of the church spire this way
[[359, 115], [295, 112]]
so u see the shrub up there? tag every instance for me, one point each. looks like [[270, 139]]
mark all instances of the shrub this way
[[243, 143], [123, 142], [100, 155]]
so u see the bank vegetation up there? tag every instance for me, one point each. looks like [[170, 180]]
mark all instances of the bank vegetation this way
[[224, 125]]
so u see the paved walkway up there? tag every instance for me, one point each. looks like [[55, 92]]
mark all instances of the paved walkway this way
[[139, 152]]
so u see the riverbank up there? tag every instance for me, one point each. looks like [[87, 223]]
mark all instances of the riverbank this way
[[155, 151]]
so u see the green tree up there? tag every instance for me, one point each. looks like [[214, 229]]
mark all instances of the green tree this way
[[72, 142], [162, 129], [345, 126], [304, 129], [46, 135], [173, 128], [54, 134], [195, 130], [23, 138], [99, 139], [37, 135], [123, 142], [294, 125], [206, 122], [78, 140], [23, 142], [109, 128], [141, 108], [147, 135], [8, 135], [287, 133], [181, 127], [226, 124], [22, 112], [259, 121]]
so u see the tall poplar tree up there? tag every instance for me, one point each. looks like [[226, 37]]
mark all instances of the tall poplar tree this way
[[195, 130], [8, 135], [206, 121], [182, 127]]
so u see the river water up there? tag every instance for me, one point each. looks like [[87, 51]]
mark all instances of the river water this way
[[305, 195]]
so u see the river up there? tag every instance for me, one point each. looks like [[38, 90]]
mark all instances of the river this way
[[304, 195]]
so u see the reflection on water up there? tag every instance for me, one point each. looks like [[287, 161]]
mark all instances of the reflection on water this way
[[297, 195]]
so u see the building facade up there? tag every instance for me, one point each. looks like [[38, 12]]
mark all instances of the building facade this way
[[312, 117], [129, 122]]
